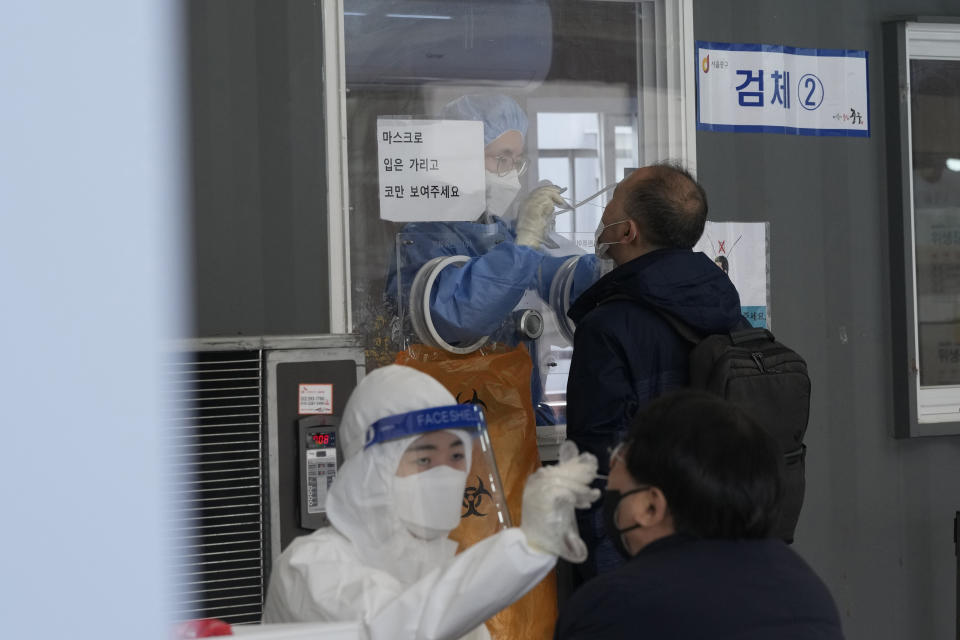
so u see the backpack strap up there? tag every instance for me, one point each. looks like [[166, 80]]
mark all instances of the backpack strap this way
[[751, 335], [688, 333]]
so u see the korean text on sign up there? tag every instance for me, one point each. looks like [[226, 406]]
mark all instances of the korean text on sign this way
[[315, 399], [779, 89], [421, 191], [430, 170]]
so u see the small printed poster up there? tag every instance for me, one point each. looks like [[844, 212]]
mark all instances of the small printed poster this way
[[741, 249], [315, 399], [430, 170]]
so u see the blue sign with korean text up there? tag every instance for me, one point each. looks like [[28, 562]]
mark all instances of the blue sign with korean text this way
[[778, 89]]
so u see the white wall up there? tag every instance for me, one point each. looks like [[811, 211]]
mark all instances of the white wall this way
[[90, 212]]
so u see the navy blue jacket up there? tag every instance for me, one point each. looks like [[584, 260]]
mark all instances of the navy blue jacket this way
[[685, 588], [626, 354]]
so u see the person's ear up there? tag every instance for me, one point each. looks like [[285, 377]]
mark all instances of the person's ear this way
[[649, 509], [632, 231]]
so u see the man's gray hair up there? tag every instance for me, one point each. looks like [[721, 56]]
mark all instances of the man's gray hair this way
[[670, 207]]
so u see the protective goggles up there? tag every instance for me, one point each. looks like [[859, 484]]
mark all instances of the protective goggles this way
[[467, 417]]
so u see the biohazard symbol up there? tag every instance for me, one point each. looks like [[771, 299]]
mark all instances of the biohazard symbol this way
[[474, 400], [473, 496], [473, 499]]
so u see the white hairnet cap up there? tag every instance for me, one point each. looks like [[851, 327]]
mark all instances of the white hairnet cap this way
[[499, 114], [387, 391]]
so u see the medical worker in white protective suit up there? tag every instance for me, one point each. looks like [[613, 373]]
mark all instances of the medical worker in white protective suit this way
[[386, 560]]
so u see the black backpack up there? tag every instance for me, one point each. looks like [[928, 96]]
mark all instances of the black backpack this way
[[769, 380]]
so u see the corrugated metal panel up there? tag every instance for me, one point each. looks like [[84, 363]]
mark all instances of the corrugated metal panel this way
[[216, 453]]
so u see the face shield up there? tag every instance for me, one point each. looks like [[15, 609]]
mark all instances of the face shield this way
[[369, 503], [444, 473]]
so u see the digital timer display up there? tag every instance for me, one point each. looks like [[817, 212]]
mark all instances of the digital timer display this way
[[323, 439]]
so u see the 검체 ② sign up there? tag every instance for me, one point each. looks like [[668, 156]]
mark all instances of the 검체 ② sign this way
[[430, 169], [777, 89]]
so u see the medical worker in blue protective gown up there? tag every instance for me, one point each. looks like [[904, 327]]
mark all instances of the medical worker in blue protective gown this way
[[505, 244], [386, 560]]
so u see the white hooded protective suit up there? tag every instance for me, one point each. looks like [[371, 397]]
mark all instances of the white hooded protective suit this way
[[368, 567]]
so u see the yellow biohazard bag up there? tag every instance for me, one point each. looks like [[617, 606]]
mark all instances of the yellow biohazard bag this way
[[497, 378]]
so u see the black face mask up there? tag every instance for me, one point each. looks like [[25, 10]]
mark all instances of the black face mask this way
[[611, 500]]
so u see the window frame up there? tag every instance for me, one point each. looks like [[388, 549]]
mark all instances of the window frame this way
[[919, 411]]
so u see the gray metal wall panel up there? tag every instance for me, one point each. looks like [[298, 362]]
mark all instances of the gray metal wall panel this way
[[877, 522], [259, 205]]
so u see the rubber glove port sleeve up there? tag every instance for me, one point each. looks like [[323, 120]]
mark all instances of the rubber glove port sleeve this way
[[469, 301], [472, 301], [584, 275]]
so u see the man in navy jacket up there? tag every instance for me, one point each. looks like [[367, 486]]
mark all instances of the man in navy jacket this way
[[691, 499], [625, 353]]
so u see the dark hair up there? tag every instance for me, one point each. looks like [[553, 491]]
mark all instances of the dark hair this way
[[719, 470], [723, 263], [670, 207]]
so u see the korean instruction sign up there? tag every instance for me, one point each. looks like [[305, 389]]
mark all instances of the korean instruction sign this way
[[741, 249], [777, 89], [430, 169]]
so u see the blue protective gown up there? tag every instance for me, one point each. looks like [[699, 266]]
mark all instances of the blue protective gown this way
[[474, 300]]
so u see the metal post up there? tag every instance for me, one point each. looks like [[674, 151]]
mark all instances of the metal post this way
[[338, 221]]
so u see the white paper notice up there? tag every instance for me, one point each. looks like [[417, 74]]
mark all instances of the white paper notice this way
[[315, 399], [777, 89], [741, 250], [430, 170]]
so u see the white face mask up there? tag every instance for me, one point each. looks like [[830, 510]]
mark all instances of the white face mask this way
[[429, 502], [601, 248], [501, 191]]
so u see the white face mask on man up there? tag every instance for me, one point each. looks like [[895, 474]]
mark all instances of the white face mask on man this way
[[501, 191], [429, 502], [601, 248]]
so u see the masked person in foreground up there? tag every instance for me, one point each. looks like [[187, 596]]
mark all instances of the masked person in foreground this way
[[692, 497], [387, 560]]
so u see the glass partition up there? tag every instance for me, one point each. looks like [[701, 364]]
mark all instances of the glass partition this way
[[580, 73], [936, 206]]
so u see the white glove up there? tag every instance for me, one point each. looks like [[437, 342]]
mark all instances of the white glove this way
[[536, 214], [549, 498]]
